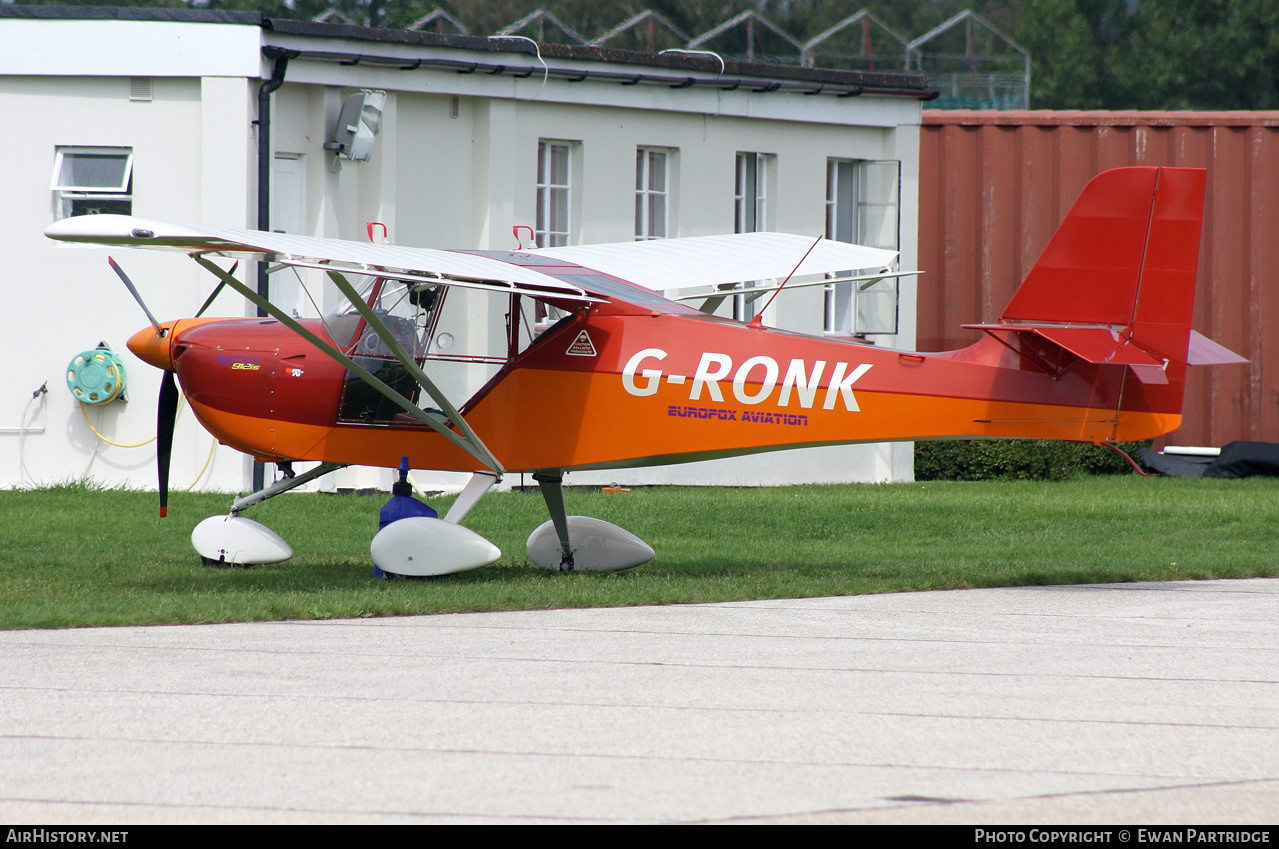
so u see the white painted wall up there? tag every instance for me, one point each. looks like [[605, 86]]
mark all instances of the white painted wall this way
[[63, 299]]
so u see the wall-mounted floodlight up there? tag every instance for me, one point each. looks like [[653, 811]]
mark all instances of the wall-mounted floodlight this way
[[358, 125]]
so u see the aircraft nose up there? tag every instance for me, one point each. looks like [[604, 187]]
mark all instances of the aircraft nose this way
[[152, 348]]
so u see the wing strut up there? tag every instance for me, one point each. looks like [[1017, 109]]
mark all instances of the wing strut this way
[[468, 441]]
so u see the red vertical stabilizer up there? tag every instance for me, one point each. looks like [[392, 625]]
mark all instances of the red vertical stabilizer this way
[[1116, 285], [1125, 256]]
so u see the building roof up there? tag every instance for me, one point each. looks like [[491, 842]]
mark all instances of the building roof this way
[[468, 53]]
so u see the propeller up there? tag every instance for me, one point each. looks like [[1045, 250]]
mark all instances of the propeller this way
[[167, 410], [166, 415]]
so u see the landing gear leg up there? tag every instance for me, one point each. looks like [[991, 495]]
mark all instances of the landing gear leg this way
[[552, 488], [480, 483], [284, 484]]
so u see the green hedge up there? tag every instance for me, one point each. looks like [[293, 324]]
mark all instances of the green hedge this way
[[1018, 459]]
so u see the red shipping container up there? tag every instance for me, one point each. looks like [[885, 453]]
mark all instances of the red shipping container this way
[[994, 186]]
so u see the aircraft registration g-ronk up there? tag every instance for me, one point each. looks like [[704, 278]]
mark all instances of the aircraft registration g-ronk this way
[[1093, 348]]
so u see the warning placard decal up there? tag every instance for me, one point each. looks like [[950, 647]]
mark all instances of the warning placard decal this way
[[582, 346]]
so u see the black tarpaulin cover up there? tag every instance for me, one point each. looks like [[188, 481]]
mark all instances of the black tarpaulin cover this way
[[1237, 460]]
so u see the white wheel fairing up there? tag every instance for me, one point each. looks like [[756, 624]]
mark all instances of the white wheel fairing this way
[[598, 546], [420, 546], [237, 541]]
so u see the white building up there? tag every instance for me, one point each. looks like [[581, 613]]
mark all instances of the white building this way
[[156, 112]]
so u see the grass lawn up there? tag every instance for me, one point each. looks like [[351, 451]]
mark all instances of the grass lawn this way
[[75, 556]]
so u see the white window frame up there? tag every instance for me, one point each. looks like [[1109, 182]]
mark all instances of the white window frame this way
[[652, 187], [546, 233], [66, 194], [848, 309], [750, 212]]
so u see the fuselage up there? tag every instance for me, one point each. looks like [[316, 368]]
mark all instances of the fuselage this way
[[622, 385]]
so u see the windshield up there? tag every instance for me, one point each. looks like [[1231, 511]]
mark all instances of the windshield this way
[[404, 308]]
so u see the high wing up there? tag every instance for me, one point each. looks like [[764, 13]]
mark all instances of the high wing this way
[[712, 268], [664, 264], [657, 265], [864, 282], [419, 265]]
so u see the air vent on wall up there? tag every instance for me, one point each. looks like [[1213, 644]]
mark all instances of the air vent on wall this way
[[140, 88]]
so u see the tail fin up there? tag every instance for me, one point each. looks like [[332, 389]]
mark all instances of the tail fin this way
[[1125, 256], [1116, 287]]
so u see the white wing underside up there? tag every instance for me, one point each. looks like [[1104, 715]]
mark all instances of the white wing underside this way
[[664, 264], [659, 265], [414, 264]]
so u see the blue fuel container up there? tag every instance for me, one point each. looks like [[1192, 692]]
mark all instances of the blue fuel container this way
[[402, 505]]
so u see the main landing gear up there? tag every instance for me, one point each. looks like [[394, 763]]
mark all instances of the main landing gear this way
[[420, 546], [580, 543]]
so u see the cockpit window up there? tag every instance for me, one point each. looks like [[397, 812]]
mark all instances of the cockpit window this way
[[448, 330], [405, 309], [405, 313]]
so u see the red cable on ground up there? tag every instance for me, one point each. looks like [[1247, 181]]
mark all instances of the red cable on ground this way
[[1113, 447]]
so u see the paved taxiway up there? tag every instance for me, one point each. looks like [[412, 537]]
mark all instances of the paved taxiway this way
[[1121, 703]]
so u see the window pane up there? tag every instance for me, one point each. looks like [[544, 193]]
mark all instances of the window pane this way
[[559, 164], [553, 178], [845, 182], [751, 179], [877, 222], [877, 226], [104, 171], [73, 205], [877, 311], [650, 193], [880, 182], [559, 210], [657, 171], [862, 207]]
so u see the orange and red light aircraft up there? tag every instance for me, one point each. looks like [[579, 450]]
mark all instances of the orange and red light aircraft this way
[[1093, 348]]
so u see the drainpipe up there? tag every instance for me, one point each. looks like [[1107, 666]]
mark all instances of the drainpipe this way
[[281, 58]]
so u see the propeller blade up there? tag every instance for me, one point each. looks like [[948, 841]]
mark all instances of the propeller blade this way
[[134, 292], [165, 417], [216, 289]]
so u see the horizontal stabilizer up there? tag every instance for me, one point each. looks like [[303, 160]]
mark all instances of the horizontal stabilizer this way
[[1097, 345], [1205, 352]]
